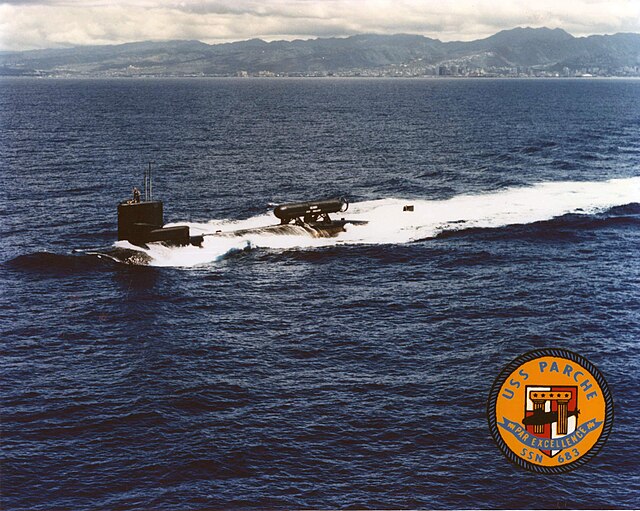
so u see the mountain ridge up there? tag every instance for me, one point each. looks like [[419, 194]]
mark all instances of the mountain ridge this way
[[521, 50]]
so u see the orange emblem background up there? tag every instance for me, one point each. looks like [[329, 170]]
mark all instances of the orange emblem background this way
[[550, 411]]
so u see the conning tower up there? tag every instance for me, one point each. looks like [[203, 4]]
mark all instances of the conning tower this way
[[140, 221]]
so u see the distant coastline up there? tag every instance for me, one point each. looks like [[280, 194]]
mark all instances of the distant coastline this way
[[313, 78], [515, 53]]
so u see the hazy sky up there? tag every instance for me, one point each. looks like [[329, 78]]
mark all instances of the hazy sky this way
[[28, 24]]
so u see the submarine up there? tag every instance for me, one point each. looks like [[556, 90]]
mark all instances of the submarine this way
[[141, 221]]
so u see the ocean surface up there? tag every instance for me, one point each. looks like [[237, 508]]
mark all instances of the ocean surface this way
[[287, 372]]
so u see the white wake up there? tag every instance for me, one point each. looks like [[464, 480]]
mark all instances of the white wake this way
[[388, 223]]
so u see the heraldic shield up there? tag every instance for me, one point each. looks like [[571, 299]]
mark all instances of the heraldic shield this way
[[551, 412]]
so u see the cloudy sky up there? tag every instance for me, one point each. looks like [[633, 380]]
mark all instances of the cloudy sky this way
[[29, 24]]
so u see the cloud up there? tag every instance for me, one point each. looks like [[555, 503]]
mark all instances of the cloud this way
[[27, 24]]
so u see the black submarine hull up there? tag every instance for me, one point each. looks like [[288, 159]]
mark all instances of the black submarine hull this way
[[313, 229], [119, 255], [141, 258]]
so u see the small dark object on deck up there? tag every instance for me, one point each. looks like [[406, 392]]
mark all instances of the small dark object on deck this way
[[408, 208]]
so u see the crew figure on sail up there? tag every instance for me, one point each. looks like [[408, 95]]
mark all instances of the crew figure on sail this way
[[136, 195]]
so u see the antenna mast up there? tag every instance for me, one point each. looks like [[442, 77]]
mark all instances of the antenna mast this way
[[146, 193], [148, 183]]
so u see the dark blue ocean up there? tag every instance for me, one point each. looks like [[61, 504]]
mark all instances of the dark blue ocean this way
[[291, 373]]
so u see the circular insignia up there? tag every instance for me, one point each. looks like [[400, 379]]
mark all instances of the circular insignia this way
[[550, 411]]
